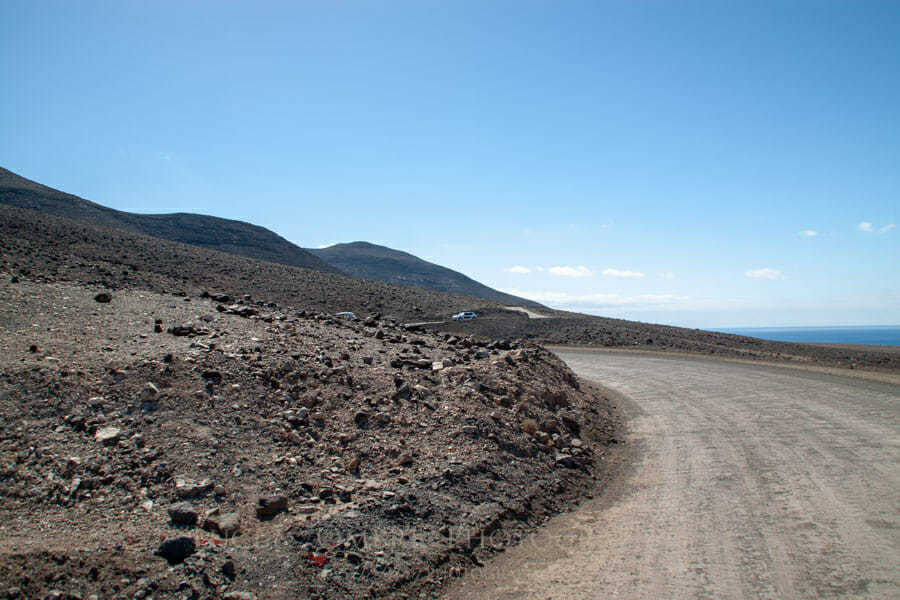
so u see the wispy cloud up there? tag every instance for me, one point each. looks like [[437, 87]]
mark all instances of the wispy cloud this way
[[668, 275], [623, 274], [868, 227], [570, 271], [809, 233], [518, 269], [765, 273]]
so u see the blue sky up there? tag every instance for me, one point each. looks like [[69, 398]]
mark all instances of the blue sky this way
[[651, 160]]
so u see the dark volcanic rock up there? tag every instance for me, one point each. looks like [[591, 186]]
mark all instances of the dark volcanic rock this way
[[176, 549], [269, 506], [183, 513]]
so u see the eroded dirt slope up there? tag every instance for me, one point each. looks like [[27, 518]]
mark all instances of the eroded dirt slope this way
[[318, 457]]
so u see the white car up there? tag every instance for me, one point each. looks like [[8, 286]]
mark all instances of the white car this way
[[345, 315], [464, 316]]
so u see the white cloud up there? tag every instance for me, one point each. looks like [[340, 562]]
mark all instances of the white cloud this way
[[571, 271], [865, 226], [623, 274], [765, 273], [539, 269], [809, 233], [668, 275], [886, 228], [518, 269]]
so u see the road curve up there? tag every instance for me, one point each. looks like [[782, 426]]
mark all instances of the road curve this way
[[745, 481]]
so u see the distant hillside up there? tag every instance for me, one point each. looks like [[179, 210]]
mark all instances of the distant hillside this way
[[378, 263], [224, 235], [41, 246]]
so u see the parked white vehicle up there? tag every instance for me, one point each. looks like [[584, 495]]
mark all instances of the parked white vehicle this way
[[345, 315], [464, 316]]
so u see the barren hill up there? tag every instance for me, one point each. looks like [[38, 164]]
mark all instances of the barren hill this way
[[379, 263], [225, 235]]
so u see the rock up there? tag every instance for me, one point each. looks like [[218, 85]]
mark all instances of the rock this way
[[191, 488], [566, 460], [437, 366], [404, 392], [351, 463], [176, 549], [227, 525], [182, 330], [228, 569], [529, 426], [183, 513], [241, 311], [238, 596], [418, 363], [269, 506], [361, 418], [103, 298], [367, 360], [149, 392], [108, 436], [212, 376]]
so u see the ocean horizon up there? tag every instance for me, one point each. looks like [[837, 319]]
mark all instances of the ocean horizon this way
[[871, 335]]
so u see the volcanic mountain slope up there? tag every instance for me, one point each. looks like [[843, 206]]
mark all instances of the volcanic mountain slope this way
[[379, 263], [233, 237]]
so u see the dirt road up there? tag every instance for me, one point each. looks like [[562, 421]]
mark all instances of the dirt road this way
[[531, 314], [743, 481]]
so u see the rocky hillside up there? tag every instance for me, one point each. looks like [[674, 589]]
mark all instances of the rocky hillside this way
[[214, 233], [378, 263], [187, 446]]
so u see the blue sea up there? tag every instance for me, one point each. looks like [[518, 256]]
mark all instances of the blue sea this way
[[881, 335]]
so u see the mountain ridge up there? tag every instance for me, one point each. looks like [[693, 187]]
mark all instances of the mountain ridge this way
[[380, 263], [215, 233]]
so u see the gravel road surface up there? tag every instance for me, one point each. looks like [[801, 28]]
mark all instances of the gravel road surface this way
[[737, 481]]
